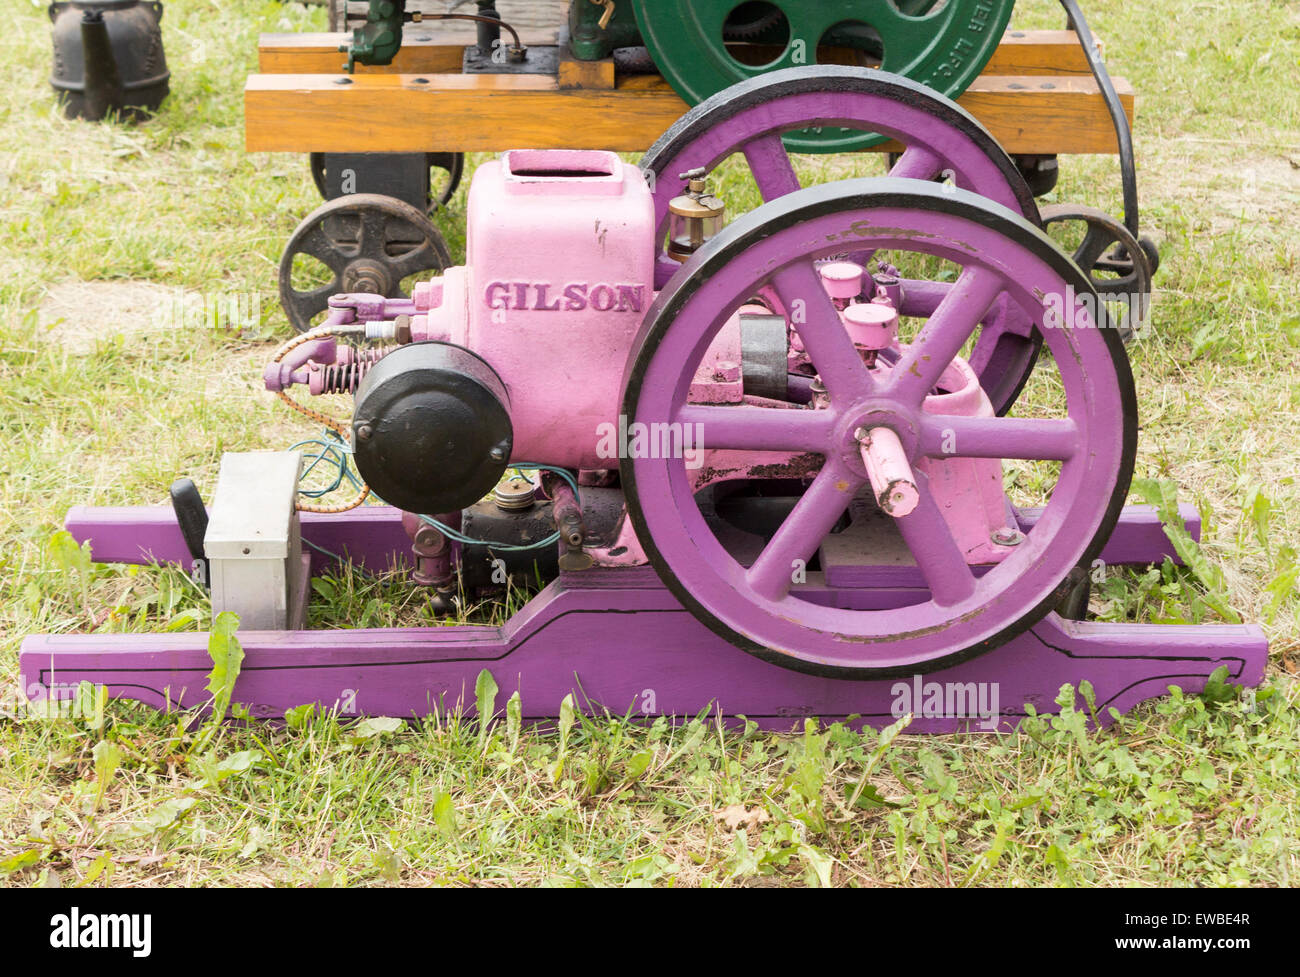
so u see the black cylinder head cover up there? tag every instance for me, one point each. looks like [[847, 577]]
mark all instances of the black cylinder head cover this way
[[431, 429]]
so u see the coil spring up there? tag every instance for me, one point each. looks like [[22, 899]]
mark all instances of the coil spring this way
[[344, 378]]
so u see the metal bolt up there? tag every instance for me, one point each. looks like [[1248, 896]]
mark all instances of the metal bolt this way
[[402, 329], [726, 371], [500, 453], [363, 432], [1007, 536], [820, 398]]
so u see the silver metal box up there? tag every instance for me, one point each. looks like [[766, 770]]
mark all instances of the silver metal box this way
[[253, 542]]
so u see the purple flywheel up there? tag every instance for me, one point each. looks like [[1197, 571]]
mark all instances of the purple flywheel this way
[[1003, 259]]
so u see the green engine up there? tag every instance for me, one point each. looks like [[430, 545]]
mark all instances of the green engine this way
[[704, 46]]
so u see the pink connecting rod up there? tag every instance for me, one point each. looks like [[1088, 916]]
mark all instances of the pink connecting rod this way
[[888, 469]]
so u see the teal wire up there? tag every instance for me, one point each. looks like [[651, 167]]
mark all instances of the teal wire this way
[[336, 452], [333, 449]]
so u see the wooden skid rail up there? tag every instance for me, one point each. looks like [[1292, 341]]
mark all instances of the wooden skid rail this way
[[403, 113], [438, 50]]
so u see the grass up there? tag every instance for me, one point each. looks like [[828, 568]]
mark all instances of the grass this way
[[1186, 791]]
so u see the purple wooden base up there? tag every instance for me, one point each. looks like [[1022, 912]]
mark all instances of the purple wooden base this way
[[576, 638], [373, 536], [617, 640]]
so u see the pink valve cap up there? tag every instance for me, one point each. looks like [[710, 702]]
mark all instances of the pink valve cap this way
[[842, 279], [890, 474], [871, 325]]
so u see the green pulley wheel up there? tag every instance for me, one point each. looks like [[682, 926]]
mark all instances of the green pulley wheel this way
[[704, 46]]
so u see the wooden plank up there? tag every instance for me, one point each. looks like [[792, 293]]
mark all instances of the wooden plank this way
[[463, 113], [489, 113], [572, 73], [1039, 53], [1035, 115], [428, 49]]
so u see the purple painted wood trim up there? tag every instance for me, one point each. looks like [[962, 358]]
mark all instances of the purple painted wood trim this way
[[626, 645], [373, 536], [1139, 538]]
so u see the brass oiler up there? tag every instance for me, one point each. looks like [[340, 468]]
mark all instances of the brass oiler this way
[[694, 217]]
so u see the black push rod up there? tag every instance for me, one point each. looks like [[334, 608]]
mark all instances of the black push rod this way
[[1123, 132]]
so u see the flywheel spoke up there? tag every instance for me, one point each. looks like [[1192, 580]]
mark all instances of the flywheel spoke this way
[[813, 517], [945, 333], [758, 428], [317, 244], [917, 163], [814, 317], [935, 550], [1024, 438], [770, 163]]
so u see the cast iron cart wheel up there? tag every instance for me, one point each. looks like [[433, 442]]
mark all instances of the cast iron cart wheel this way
[[940, 139], [441, 188], [757, 606], [944, 47], [369, 243], [1116, 263]]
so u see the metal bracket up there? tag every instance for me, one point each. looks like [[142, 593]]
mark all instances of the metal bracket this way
[[538, 60]]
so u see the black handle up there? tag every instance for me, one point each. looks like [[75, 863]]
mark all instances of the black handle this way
[[192, 517]]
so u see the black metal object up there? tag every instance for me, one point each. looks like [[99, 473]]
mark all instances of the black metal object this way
[[483, 566], [108, 57], [368, 242], [430, 429], [1123, 132], [763, 361], [409, 177], [1074, 605], [487, 34], [539, 60], [1040, 172], [192, 517]]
